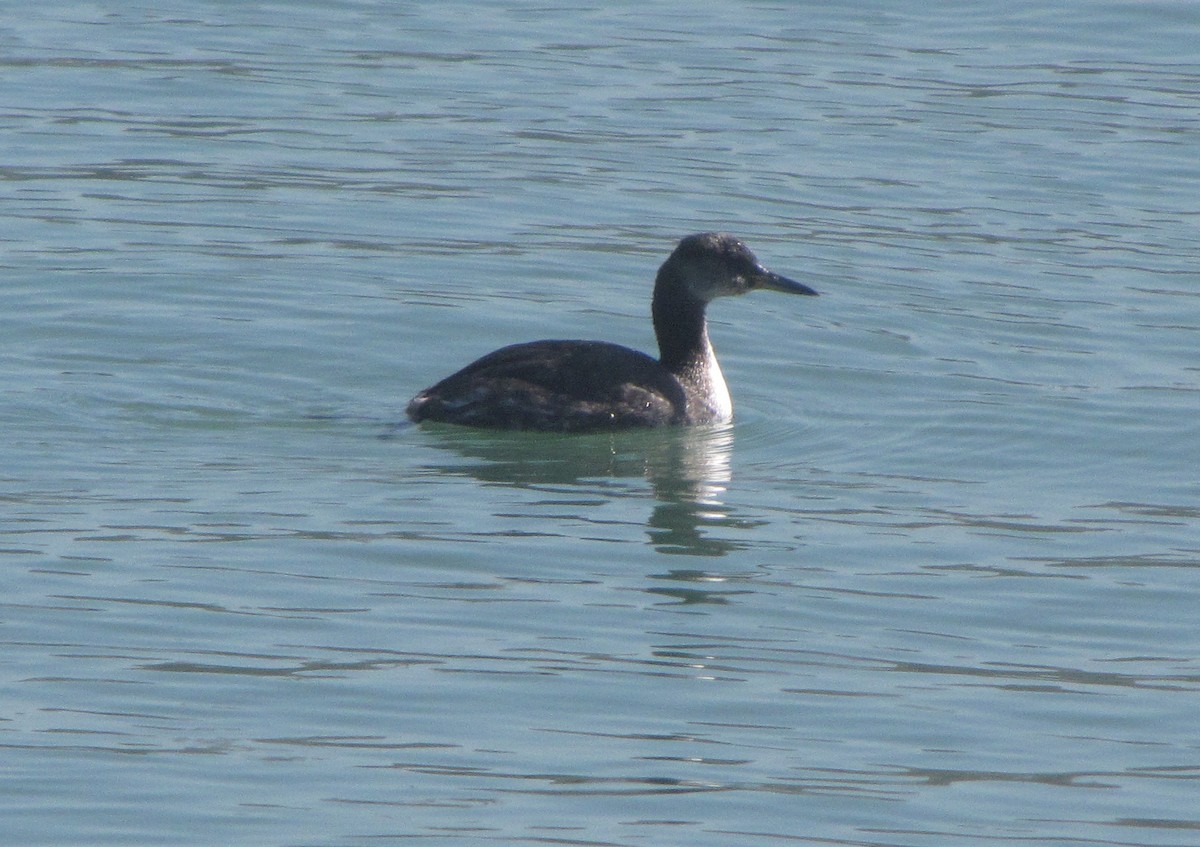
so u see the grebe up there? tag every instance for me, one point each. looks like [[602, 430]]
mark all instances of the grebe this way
[[578, 386]]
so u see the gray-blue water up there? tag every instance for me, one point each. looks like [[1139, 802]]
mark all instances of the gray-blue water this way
[[938, 585]]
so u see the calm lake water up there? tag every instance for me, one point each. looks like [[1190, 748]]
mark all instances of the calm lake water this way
[[938, 585]]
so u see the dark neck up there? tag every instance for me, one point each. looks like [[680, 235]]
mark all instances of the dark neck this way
[[679, 324]]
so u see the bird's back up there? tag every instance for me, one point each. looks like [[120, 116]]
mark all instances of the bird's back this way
[[568, 386]]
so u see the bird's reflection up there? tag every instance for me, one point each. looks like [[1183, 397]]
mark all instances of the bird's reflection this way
[[697, 587], [689, 470]]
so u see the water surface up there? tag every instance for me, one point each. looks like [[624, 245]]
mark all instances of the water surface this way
[[936, 585]]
